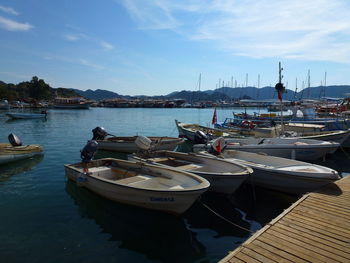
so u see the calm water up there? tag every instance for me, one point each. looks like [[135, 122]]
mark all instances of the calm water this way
[[45, 218]]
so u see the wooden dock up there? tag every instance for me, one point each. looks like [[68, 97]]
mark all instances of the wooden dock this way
[[314, 229]]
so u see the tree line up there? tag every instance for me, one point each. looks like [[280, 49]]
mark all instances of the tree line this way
[[36, 89]]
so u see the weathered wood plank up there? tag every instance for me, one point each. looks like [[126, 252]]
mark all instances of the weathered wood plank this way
[[315, 235], [246, 258], [316, 228], [316, 253], [313, 226], [324, 248], [257, 256], [275, 250], [287, 247]]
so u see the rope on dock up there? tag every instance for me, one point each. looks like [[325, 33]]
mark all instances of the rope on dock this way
[[223, 218]]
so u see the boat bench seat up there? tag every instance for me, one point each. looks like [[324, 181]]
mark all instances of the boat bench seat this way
[[132, 179], [190, 166], [97, 170]]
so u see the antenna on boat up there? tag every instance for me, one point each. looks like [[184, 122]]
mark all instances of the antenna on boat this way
[[280, 89]]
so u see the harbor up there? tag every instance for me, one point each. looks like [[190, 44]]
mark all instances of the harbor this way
[[38, 190]]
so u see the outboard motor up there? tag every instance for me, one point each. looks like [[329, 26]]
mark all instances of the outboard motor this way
[[88, 152], [200, 137], [99, 133], [218, 145], [14, 140]]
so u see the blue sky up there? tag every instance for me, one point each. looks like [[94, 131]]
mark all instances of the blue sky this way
[[154, 47]]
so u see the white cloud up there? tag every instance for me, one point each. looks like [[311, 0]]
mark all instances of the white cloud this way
[[89, 64], [8, 10], [106, 46], [75, 37], [154, 15], [12, 25], [299, 29]]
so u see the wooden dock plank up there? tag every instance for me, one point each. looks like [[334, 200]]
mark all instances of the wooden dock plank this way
[[314, 229], [300, 230], [311, 225], [323, 248]]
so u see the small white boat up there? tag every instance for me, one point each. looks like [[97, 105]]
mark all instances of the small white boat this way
[[139, 184], [281, 174], [224, 177], [340, 136], [14, 151], [127, 144], [293, 148], [4, 105], [26, 115], [9, 153]]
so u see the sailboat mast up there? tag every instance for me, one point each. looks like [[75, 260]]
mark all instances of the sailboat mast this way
[[308, 83], [199, 85]]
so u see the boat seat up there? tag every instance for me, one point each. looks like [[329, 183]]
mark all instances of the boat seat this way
[[176, 187], [190, 166], [133, 179], [99, 169]]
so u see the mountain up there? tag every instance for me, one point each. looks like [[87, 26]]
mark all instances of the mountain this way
[[98, 94], [227, 93]]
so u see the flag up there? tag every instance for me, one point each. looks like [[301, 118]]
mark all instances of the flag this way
[[279, 95], [214, 120]]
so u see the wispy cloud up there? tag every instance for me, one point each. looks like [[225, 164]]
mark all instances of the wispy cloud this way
[[75, 37], [12, 25], [106, 45], [72, 60], [90, 64], [151, 14], [299, 29], [8, 10]]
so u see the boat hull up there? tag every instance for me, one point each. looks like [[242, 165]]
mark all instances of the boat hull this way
[[171, 201], [299, 149], [286, 182], [223, 184], [26, 115], [10, 154], [130, 146]]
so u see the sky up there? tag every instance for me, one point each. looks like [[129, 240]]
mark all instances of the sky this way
[[155, 47]]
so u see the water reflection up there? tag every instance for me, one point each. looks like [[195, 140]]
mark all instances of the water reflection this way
[[261, 205], [157, 235], [10, 169], [203, 217]]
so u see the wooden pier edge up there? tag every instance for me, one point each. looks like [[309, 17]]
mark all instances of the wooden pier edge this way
[[235, 255]]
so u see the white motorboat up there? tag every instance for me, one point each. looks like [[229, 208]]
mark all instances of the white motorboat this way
[[26, 115], [139, 183], [4, 105], [293, 148], [126, 144], [224, 177], [14, 151], [281, 174], [341, 136]]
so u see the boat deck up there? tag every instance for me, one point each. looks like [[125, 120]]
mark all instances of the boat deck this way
[[314, 229]]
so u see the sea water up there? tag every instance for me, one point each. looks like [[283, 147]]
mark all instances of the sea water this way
[[46, 218]]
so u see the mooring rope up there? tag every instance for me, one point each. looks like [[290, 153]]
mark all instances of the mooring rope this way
[[223, 218], [346, 154]]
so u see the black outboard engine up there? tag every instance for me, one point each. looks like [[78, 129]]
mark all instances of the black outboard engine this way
[[200, 137], [88, 152], [99, 133], [14, 140]]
